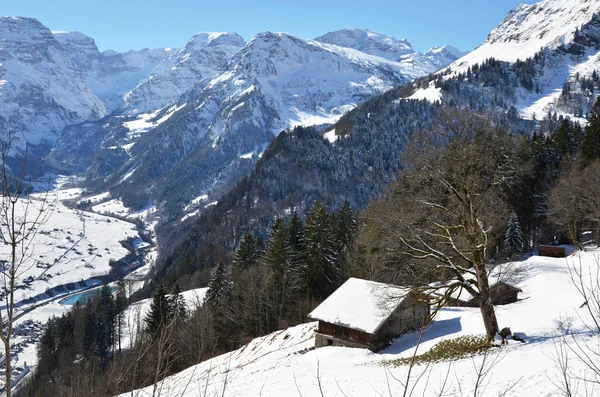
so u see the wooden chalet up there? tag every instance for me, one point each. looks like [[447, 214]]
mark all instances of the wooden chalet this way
[[501, 293], [553, 251], [368, 314]]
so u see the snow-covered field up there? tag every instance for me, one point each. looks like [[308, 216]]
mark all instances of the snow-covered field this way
[[282, 364], [70, 246]]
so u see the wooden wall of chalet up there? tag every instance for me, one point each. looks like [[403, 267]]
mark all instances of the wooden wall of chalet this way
[[345, 333]]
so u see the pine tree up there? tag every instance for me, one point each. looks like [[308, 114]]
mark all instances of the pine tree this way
[[321, 273], [178, 307], [278, 254], [590, 148], [513, 237], [219, 289], [120, 306], [159, 314], [248, 252], [345, 226]]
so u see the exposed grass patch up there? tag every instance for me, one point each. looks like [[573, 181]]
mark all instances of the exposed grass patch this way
[[447, 350]]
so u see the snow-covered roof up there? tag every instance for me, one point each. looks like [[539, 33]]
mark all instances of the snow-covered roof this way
[[361, 305]]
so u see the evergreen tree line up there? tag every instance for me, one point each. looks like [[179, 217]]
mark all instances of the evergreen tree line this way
[[275, 283], [81, 352]]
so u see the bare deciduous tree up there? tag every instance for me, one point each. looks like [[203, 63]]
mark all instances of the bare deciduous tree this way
[[21, 215], [451, 199]]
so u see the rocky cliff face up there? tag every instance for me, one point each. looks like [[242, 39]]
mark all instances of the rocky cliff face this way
[[41, 89]]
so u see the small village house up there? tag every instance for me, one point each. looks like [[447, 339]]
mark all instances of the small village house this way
[[368, 314]]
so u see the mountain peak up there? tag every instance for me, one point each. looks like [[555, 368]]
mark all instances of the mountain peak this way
[[76, 41], [214, 39], [446, 51], [21, 31], [549, 23], [370, 42], [526, 29]]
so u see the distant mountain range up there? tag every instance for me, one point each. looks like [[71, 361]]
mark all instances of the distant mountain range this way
[[141, 123], [165, 127]]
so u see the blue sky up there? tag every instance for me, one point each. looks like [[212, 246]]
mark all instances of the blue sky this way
[[135, 24]]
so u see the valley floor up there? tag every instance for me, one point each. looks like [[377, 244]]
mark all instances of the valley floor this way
[[283, 363]]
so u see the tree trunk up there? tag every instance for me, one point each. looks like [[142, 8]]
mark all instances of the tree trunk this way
[[489, 317], [486, 306]]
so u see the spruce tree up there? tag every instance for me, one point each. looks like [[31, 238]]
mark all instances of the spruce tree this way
[[248, 252], [513, 237], [219, 303], [590, 148], [321, 273], [120, 306], [178, 307], [278, 254], [159, 312], [219, 289], [345, 226], [295, 242]]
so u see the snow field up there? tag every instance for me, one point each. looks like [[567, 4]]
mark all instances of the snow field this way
[[282, 363]]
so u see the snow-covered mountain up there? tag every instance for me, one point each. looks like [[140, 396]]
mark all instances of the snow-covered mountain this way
[[204, 112], [369, 42], [377, 44], [200, 60], [434, 59], [548, 24], [213, 134], [41, 89], [111, 75], [548, 53], [148, 79], [51, 80]]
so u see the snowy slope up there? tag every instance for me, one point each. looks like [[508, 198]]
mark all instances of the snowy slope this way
[[34, 106], [70, 246], [559, 38], [528, 28], [282, 364]]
